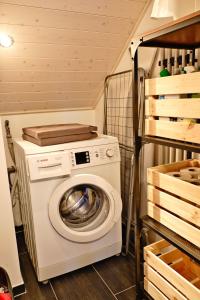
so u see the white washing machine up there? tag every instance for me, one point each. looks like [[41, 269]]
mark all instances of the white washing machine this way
[[70, 202]]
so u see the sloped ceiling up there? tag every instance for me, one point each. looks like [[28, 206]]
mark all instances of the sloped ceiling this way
[[62, 52]]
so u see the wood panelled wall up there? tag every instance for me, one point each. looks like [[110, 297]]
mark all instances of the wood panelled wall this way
[[62, 52]]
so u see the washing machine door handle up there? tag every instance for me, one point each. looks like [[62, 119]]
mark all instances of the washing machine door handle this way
[[117, 204]]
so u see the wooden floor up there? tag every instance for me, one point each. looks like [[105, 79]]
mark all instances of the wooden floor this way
[[112, 278]]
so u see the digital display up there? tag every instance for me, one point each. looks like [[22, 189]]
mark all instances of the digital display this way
[[82, 157]]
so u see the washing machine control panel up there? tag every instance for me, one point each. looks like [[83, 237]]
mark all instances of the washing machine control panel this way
[[82, 157], [96, 155]]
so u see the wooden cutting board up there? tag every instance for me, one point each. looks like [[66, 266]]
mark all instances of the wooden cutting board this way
[[58, 130]]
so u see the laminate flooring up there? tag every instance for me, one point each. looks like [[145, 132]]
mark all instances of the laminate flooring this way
[[112, 278]]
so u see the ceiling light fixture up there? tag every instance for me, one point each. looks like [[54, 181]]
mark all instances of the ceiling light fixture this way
[[163, 9], [6, 40]]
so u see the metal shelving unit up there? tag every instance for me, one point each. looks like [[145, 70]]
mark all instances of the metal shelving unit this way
[[180, 34]]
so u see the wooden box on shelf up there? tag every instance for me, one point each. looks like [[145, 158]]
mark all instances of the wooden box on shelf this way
[[186, 109], [173, 202], [169, 273]]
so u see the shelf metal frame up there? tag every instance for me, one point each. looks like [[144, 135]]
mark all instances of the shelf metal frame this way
[[157, 39], [172, 237], [172, 143]]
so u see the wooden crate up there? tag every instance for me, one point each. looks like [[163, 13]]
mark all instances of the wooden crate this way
[[186, 109], [173, 202], [169, 273]]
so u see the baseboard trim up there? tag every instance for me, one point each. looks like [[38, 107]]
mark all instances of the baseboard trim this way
[[18, 290]]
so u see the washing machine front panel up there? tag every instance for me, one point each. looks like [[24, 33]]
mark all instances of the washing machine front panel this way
[[84, 208], [76, 175]]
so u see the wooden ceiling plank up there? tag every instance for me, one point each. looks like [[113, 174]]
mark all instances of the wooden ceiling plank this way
[[22, 15], [47, 96], [53, 64], [114, 8], [64, 52], [77, 37], [20, 87], [29, 76], [40, 105]]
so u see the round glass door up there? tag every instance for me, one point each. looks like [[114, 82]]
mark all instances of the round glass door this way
[[84, 207]]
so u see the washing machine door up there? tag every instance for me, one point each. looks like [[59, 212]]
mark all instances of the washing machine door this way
[[84, 208]]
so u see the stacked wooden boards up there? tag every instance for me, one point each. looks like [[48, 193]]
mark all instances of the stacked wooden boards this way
[[59, 133]]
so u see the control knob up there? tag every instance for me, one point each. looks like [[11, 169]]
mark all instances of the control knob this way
[[109, 152]]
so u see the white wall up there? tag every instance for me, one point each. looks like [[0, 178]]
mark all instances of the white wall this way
[[185, 7], [8, 248], [99, 114]]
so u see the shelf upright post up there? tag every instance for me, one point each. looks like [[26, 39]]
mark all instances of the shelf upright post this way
[[136, 188]]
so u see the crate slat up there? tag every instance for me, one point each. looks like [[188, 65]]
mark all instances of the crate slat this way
[[175, 205], [170, 256], [182, 131], [178, 108], [173, 202], [186, 110], [153, 291], [170, 85], [176, 272], [156, 176], [155, 278], [174, 223]]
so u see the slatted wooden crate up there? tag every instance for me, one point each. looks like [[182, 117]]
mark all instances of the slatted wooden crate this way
[[173, 202], [169, 273], [185, 109]]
